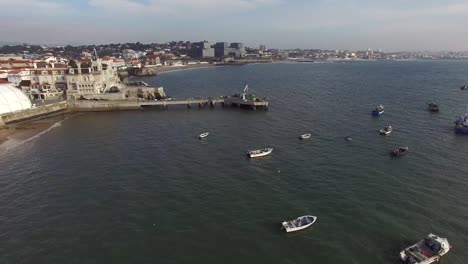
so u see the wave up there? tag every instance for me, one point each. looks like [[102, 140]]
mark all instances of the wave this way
[[14, 143]]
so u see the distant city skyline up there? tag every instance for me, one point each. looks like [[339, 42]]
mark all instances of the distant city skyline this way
[[323, 24]]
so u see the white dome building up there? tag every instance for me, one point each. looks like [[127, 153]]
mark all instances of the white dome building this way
[[12, 99]]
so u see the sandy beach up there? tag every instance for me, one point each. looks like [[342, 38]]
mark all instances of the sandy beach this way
[[164, 69], [11, 135]]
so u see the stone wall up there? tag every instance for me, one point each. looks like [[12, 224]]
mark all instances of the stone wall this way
[[82, 105], [35, 112]]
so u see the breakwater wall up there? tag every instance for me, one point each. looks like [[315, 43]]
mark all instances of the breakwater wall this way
[[35, 112], [118, 105]]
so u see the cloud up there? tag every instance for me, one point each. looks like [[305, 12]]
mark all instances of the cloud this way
[[41, 6], [181, 7]]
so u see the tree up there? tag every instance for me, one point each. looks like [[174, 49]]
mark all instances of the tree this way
[[72, 63]]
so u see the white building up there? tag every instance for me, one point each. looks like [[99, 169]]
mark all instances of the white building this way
[[17, 75], [92, 77]]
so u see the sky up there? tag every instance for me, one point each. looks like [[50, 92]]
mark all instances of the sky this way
[[390, 25]]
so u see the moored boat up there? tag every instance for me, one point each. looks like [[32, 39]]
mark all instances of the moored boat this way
[[461, 124], [378, 110], [386, 131], [305, 136], [259, 152], [302, 222], [204, 135], [429, 250], [400, 151], [433, 107]]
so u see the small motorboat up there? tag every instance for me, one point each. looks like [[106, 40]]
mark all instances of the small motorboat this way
[[302, 222], [464, 87], [378, 110], [429, 250], [400, 151], [259, 152], [305, 136], [348, 138], [433, 107], [386, 131], [204, 135], [461, 124]]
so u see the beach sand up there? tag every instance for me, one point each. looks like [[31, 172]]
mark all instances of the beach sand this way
[[11, 135]]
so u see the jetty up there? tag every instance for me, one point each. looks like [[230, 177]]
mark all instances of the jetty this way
[[138, 98], [102, 105], [244, 100]]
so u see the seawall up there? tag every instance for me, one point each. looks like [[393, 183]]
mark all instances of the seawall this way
[[92, 106], [31, 113]]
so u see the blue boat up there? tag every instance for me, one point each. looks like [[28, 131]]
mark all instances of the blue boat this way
[[378, 110], [461, 125]]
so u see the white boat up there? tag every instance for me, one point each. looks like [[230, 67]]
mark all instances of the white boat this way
[[204, 135], [429, 250], [386, 131], [305, 136], [259, 152], [302, 222]]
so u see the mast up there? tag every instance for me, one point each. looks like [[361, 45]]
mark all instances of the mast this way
[[245, 91]]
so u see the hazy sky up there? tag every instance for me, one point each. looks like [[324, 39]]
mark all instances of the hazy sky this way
[[391, 25]]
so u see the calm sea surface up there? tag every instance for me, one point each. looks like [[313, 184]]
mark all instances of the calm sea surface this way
[[139, 187]]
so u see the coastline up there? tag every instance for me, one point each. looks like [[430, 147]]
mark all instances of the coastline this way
[[156, 70], [13, 135]]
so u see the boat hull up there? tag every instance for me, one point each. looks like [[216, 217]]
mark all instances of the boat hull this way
[[377, 113], [260, 154], [415, 254], [385, 133], [461, 130], [204, 135], [293, 228]]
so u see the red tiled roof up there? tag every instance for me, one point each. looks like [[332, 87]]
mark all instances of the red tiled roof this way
[[15, 71], [14, 61], [3, 81]]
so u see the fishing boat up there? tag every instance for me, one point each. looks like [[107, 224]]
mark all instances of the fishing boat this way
[[259, 152], [204, 135], [433, 107], [378, 110], [300, 223], [305, 136], [386, 131], [400, 151], [429, 250], [461, 124]]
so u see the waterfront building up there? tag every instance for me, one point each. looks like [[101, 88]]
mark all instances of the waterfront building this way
[[91, 77], [46, 83], [221, 50], [152, 59], [237, 50], [202, 50]]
